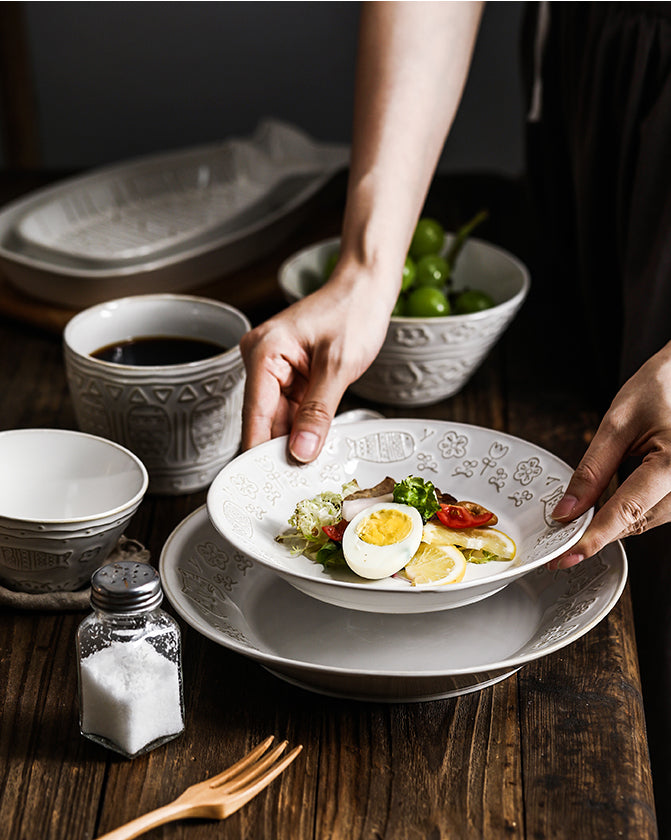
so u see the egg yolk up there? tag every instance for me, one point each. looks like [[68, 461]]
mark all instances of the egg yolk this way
[[385, 527]]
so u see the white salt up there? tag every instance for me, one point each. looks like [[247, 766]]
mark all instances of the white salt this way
[[130, 695]]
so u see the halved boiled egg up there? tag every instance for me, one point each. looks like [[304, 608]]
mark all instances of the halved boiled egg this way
[[381, 539]]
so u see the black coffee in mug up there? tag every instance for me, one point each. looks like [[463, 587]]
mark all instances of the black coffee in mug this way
[[158, 350]]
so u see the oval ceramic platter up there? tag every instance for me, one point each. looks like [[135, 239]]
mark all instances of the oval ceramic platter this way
[[352, 654], [164, 223], [251, 499]]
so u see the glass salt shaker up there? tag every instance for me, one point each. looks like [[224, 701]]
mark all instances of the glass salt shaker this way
[[129, 658]]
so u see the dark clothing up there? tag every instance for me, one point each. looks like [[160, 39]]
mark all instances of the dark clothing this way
[[601, 158], [599, 162]]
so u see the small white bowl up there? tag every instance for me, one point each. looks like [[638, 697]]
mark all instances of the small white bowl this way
[[252, 498], [426, 360], [65, 499]]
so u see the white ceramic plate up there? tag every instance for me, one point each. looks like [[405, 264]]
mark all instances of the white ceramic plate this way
[[166, 222], [252, 498], [239, 604]]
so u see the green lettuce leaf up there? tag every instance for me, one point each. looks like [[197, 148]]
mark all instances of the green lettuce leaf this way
[[419, 494], [330, 554]]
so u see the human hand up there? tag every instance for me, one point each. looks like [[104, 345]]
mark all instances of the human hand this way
[[638, 422], [300, 362]]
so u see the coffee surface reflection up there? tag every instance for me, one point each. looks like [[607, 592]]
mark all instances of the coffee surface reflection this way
[[158, 350]]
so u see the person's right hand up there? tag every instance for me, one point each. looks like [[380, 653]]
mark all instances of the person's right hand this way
[[412, 64], [300, 362]]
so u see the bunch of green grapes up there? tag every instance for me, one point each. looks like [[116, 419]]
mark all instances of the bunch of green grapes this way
[[426, 284]]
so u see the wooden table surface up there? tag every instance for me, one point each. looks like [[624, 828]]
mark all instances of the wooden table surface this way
[[557, 750]]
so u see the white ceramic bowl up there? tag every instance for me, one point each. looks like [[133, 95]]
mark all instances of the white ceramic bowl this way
[[425, 360], [252, 498], [183, 420], [65, 499]]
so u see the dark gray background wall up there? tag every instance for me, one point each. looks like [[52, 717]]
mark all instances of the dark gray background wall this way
[[114, 80]]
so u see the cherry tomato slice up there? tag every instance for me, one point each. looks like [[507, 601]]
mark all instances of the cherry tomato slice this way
[[457, 516], [335, 532]]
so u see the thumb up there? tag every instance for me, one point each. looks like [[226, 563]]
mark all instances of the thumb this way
[[590, 479], [313, 417]]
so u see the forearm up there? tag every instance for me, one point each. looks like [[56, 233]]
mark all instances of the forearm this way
[[413, 62], [412, 66]]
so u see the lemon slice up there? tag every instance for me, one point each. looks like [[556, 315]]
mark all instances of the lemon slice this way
[[489, 539], [436, 564]]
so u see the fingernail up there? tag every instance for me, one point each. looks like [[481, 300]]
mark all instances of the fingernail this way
[[569, 560], [564, 507], [304, 445]]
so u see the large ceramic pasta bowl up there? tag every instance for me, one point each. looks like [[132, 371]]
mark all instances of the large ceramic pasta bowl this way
[[251, 499]]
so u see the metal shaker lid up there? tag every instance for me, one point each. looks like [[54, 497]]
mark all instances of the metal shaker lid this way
[[126, 586]]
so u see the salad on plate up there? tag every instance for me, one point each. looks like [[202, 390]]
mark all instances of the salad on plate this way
[[408, 529]]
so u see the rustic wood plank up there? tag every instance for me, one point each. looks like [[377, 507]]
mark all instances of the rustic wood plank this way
[[446, 768], [48, 787], [585, 754]]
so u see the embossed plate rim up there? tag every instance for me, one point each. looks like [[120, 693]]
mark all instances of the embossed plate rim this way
[[614, 572], [314, 576]]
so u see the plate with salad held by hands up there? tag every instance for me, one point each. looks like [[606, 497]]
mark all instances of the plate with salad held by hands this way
[[397, 515]]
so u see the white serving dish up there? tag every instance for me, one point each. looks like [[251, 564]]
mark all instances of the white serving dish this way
[[242, 606], [165, 222], [252, 498]]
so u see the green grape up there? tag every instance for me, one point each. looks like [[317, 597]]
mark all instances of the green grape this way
[[432, 270], [427, 302], [399, 307], [409, 274], [472, 300], [428, 238]]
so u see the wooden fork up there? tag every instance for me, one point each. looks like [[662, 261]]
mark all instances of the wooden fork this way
[[218, 797]]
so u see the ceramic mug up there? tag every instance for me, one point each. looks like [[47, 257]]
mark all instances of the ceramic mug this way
[[182, 419]]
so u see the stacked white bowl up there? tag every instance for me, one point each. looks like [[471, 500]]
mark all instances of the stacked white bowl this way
[[65, 499]]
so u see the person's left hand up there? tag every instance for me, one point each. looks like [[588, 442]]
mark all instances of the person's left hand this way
[[638, 422]]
